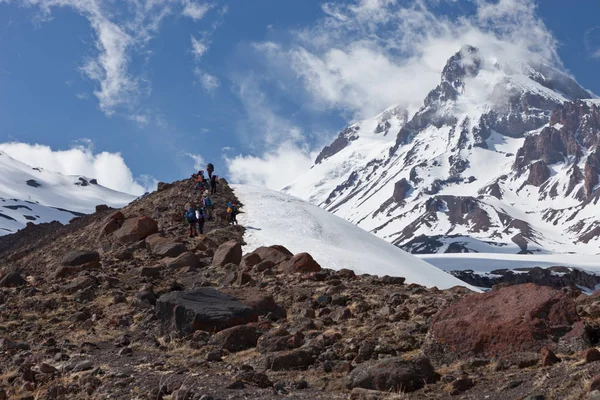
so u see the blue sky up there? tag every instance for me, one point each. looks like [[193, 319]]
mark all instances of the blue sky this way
[[255, 86]]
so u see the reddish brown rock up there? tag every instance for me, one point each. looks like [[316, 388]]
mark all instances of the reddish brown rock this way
[[164, 247], [548, 357], [135, 229], [595, 383], [279, 339], [276, 254], [514, 319], [237, 338], [249, 261], [118, 216], [538, 173], [111, 227], [303, 263], [228, 253], [591, 355]]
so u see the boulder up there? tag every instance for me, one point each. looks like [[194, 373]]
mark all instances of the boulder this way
[[249, 261], [277, 254], [279, 339], [185, 260], [118, 216], [151, 272], [237, 338], [229, 252], [164, 247], [302, 263], [80, 257], [12, 279], [520, 318], [548, 357], [289, 360], [392, 374], [135, 229], [111, 227], [203, 309]]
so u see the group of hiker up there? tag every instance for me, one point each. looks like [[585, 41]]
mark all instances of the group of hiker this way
[[197, 216], [206, 184]]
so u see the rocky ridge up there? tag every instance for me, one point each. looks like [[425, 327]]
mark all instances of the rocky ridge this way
[[122, 304]]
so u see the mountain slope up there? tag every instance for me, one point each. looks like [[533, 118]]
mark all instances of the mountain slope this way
[[272, 217], [36, 195], [500, 158]]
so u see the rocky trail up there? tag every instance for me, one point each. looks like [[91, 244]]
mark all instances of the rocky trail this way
[[122, 304]]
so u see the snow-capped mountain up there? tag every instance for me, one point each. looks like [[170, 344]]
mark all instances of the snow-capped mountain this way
[[37, 195], [501, 157], [275, 218]]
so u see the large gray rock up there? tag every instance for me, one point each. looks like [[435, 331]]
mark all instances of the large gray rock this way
[[203, 309], [392, 374], [80, 257]]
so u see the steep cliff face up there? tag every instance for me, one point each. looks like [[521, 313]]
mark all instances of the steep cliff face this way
[[500, 157]]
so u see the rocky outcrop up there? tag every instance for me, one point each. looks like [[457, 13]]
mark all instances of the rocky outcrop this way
[[538, 173], [340, 143], [514, 319], [402, 189]]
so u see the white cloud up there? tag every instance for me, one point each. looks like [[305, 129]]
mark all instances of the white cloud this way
[[118, 33], [281, 150], [199, 47], [209, 82], [274, 169], [365, 56], [142, 120], [109, 169], [198, 161], [196, 11], [592, 42]]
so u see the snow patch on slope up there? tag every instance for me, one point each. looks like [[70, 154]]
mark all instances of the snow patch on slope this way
[[275, 218]]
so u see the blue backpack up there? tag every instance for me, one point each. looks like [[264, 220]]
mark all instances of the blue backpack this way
[[207, 202], [191, 216]]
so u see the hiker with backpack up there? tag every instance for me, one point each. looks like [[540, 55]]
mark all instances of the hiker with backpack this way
[[229, 213], [234, 213], [200, 181], [190, 217], [210, 169], [200, 217], [213, 184], [209, 206]]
